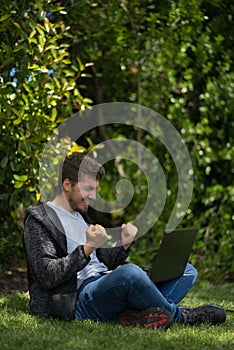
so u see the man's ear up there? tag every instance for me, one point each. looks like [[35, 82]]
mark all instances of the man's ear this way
[[67, 185]]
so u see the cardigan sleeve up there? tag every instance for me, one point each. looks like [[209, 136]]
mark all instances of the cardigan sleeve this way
[[112, 257], [51, 265]]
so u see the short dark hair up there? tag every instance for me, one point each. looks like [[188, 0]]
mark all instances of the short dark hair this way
[[77, 165]]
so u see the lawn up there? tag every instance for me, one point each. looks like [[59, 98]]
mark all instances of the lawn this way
[[20, 330]]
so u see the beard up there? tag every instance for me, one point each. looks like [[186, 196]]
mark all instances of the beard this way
[[77, 206]]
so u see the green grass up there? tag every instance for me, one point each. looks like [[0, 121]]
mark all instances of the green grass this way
[[20, 330]]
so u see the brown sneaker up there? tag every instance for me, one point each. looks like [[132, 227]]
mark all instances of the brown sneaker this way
[[152, 317], [208, 313]]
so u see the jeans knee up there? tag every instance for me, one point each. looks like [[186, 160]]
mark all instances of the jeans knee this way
[[131, 269], [132, 272], [190, 270]]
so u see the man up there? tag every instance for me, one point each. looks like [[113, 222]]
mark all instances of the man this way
[[72, 276]]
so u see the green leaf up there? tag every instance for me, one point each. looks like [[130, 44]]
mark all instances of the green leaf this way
[[18, 184], [4, 162], [41, 40], [16, 113], [32, 40], [40, 29], [4, 17], [67, 61], [26, 86], [54, 114], [20, 177], [25, 98], [33, 66]]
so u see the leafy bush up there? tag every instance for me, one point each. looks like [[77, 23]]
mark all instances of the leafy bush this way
[[174, 57], [38, 91]]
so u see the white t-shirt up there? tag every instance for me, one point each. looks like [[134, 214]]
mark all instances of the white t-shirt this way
[[75, 229]]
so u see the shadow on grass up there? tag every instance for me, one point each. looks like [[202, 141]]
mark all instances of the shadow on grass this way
[[16, 302], [23, 332], [222, 294]]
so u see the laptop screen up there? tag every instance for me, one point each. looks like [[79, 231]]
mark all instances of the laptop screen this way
[[173, 254]]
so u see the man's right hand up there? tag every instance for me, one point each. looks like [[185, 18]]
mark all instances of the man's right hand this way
[[96, 236]]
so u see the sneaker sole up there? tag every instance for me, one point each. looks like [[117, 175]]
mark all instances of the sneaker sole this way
[[150, 318]]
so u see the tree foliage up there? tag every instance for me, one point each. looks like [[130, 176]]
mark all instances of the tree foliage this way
[[38, 91], [175, 57]]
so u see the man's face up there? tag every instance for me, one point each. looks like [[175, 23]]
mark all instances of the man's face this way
[[82, 193]]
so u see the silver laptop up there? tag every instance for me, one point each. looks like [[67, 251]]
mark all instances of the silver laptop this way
[[173, 254]]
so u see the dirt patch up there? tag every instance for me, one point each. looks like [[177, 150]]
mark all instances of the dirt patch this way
[[13, 279]]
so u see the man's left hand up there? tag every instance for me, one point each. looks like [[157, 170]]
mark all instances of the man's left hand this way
[[128, 234]]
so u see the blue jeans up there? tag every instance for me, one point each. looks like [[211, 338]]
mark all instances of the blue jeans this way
[[103, 298]]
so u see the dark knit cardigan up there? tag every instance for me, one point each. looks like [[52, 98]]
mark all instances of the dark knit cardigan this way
[[52, 272]]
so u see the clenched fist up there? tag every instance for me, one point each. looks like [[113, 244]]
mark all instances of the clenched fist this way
[[96, 236], [128, 234]]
